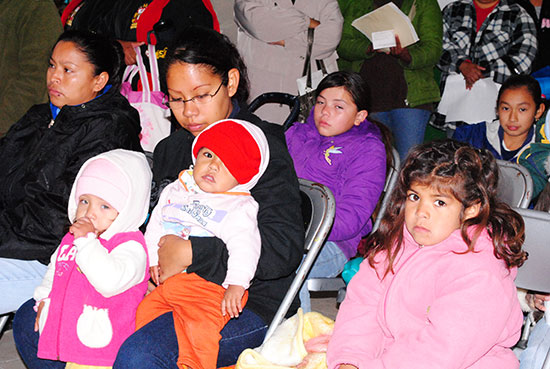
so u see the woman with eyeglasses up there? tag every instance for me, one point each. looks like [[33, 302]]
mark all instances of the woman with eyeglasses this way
[[206, 81]]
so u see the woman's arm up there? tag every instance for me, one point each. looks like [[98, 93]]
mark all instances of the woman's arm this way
[[329, 32], [521, 50], [456, 37], [427, 51], [354, 44]]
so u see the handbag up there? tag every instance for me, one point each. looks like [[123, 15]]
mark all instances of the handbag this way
[[307, 92], [153, 115]]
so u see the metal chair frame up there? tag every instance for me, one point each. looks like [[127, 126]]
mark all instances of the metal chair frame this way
[[278, 98], [515, 184], [337, 283], [322, 215], [534, 274]]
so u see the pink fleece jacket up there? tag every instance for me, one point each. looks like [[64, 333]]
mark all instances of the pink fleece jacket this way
[[440, 309]]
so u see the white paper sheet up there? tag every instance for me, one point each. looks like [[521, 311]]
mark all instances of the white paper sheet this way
[[383, 40], [387, 17], [470, 106]]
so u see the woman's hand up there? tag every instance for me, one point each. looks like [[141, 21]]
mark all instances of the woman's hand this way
[[38, 312], [313, 23], [471, 72], [400, 52], [81, 227], [129, 51], [231, 303], [537, 301], [175, 255], [154, 271]]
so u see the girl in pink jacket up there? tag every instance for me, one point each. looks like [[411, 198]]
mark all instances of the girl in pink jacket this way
[[436, 289]]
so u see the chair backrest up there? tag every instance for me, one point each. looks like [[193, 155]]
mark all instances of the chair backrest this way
[[391, 180], [337, 283], [515, 185], [278, 98], [321, 215], [534, 274]]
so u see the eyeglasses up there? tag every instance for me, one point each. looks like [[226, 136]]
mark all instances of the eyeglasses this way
[[199, 100]]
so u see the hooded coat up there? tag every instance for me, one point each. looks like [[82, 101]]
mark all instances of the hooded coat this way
[[40, 159], [94, 283], [352, 165], [443, 308]]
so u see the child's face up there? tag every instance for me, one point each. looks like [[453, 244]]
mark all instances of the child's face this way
[[70, 76], [211, 174], [335, 112], [431, 216], [517, 112], [97, 210]]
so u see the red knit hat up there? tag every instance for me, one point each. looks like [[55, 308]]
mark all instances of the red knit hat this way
[[234, 145]]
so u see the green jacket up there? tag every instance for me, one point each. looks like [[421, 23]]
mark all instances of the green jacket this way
[[536, 156], [419, 74], [28, 31]]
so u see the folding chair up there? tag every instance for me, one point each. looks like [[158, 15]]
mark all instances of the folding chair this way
[[320, 212], [534, 274], [278, 98], [337, 283], [515, 185]]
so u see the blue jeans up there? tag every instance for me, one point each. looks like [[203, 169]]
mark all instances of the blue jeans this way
[[154, 346], [537, 346], [18, 279], [26, 339], [329, 263], [408, 127]]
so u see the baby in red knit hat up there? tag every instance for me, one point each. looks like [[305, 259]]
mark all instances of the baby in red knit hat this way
[[210, 199]]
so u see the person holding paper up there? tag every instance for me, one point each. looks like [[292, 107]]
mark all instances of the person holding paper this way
[[272, 38], [402, 84], [491, 39]]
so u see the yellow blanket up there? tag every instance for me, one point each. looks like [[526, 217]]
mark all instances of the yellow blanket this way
[[299, 342]]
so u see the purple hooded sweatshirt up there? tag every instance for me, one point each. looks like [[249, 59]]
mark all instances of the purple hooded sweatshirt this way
[[352, 165]]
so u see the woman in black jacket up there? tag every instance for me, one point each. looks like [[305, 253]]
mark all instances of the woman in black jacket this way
[[42, 153], [206, 81]]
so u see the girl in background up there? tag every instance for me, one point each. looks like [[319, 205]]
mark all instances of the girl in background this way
[[519, 130], [437, 287], [340, 148]]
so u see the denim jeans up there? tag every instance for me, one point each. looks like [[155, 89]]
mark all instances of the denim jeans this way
[[329, 263], [154, 346], [537, 346], [18, 279], [26, 339], [408, 127]]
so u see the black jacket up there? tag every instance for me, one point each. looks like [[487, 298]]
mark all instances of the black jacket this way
[[279, 219], [39, 164]]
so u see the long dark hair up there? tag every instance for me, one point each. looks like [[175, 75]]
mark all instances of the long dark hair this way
[[205, 46], [471, 176], [104, 53]]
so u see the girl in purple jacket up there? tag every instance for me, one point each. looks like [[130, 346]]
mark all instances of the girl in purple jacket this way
[[436, 289], [340, 148]]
